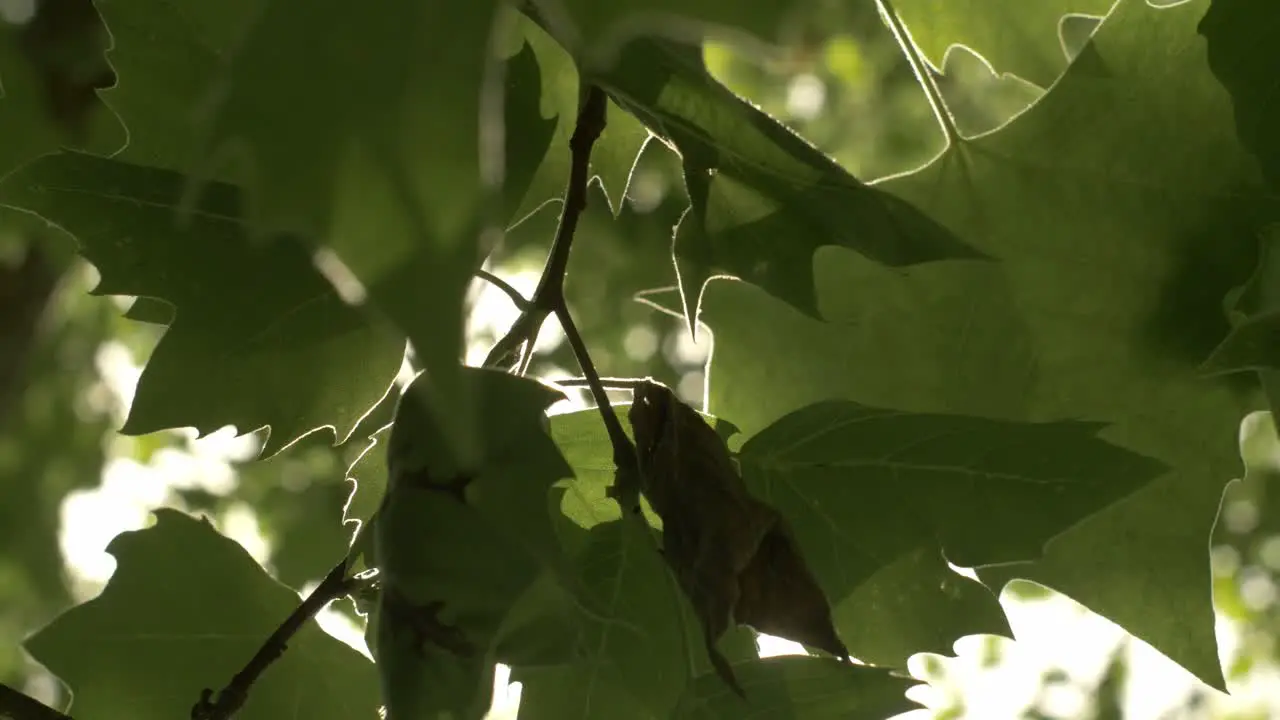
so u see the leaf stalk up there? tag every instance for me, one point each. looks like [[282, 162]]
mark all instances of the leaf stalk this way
[[921, 69]]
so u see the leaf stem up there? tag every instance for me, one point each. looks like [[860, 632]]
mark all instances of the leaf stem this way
[[624, 452], [921, 69], [520, 301], [549, 294], [233, 696]]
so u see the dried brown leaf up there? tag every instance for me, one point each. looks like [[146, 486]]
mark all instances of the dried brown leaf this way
[[731, 553]]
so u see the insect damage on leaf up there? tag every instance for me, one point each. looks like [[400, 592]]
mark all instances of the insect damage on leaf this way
[[732, 554]]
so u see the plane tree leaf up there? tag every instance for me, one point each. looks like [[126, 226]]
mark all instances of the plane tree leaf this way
[[1114, 256], [1019, 38], [632, 659], [167, 56], [918, 602], [988, 491], [283, 350], [797, 687], [459, 545], [52, 67], [188, 608], [876, 498], [356, 154], [752, 182]]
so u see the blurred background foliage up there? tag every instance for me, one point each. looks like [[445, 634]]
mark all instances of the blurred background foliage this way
[[69, 360]]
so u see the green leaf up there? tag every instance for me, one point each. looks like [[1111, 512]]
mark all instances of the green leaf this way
[[933, 606], [988, 491], [260, 337], [799, 688], [1252, 345], [584, 442], [593, 31], [1241, 55], [614, 154], [167, 56], [51, 69], [866, 489], [753, 182], [1115, 254], [185, 609], [368, 476], [380, 158], [634, 661], [1015, 37], [460, 545], [1251, 305]]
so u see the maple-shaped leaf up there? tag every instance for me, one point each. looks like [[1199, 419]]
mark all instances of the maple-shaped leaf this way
[[752, 182], [259, 337], [185, 610], [1242, 56], [921, 605], [631, 660], [376, 150], [459, 546], [52, 67], [1022, 38], [870, 482], [797, 687], [1114, 255], [638, 648], [867, 489]]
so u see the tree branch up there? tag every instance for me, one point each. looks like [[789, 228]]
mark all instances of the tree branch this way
[[233, 696], [609, 383], [507, 289], [549, 297], [549, 294]]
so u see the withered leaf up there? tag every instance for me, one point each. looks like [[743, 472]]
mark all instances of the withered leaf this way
[[779, 595], [731, 553]]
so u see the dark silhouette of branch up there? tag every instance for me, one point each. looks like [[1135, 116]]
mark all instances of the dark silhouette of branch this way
[[18, 706], [233, 696], [516, 347]]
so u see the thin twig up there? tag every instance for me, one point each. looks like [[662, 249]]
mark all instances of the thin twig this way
[[921, 69], [624, 450], [233, 696], [18, 706], [609, 383], [549, 294], [520, 301]]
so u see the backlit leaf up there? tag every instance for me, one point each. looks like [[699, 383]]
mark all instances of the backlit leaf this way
[[185, 609]]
